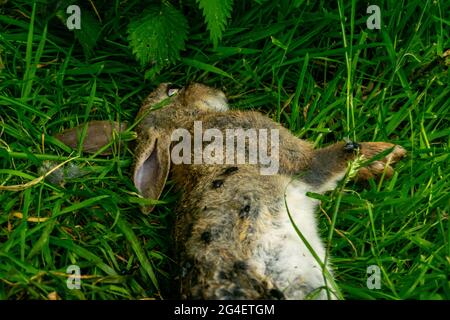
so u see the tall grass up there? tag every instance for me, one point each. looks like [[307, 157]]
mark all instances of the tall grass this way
[[315, 68]]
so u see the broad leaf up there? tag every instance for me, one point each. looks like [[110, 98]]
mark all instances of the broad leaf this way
[[216, 13], [158, 36]]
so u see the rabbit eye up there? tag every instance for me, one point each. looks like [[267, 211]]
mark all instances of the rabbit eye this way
[[351, 146], [172, 90]]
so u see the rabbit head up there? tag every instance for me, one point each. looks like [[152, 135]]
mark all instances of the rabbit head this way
[[164, 109], [179, 107], [168, 106]]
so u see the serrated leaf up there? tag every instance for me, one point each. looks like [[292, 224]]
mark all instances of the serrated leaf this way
[[216, 13], [158, 35]]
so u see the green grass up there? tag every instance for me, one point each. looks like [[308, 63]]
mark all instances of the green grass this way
[[316, 69]]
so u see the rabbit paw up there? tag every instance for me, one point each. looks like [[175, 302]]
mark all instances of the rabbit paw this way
[[378, 167]]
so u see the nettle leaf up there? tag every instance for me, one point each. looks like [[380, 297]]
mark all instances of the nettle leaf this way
[[216, 13], [158, 35]]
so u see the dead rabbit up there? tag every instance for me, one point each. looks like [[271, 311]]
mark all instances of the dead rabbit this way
[[233, 233]]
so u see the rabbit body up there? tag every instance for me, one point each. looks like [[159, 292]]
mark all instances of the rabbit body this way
[[236, 241], [233, 232]]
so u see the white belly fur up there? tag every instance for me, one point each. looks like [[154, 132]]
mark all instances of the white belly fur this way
[[281, 254]]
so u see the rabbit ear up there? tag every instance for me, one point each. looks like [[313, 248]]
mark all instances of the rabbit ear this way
[[98, 135], [152, 165]]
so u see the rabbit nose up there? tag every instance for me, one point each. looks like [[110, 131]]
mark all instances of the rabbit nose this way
[[217, 102]]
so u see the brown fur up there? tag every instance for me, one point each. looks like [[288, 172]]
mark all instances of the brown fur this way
[[224, 208]]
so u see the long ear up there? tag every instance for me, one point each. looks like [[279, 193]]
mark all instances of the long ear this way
[[152, 165], [98, 135]]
